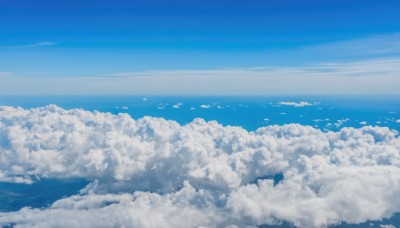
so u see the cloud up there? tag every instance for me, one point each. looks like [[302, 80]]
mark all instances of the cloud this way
[[177, 106], [140, 209], [387, 226], [41, 44], [366, 77], [380, 45], [199, 174], [5, 74], [376, 67], [363, 66], [295, 104], [341, 122], [205, 106]]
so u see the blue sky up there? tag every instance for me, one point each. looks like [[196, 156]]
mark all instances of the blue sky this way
[[197, 47]]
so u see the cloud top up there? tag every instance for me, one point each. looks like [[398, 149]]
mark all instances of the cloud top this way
[[205, 106], [199, 174]]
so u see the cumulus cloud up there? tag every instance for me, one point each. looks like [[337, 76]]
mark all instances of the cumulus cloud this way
[[295, 104], [205, 106], [140, 209], [199, 174]]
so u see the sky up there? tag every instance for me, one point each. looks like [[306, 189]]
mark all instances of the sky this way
[[199, 47]]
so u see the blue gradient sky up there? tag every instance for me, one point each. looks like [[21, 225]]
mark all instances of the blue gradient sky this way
[[52, 43]]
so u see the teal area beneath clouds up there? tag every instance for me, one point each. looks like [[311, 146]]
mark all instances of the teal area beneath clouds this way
[[40, 194]]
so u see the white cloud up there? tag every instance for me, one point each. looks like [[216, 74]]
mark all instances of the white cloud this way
[[341, 122], [205, 106], [162, 106], [363, 123], [140, 209], [387, 226], [321, 120], [41, 44], [398, 121], [295, 104], [177, 106], [199, 174]]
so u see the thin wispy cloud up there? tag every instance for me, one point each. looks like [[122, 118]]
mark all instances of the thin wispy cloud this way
[[5, 74], [357, 68], [40, 44], [371, 76], [378, 44]]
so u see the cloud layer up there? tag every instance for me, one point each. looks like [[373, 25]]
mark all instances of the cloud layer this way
[[199, 174], [373, 76]]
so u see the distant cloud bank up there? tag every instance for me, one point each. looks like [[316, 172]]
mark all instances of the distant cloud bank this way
[[199, 174]]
